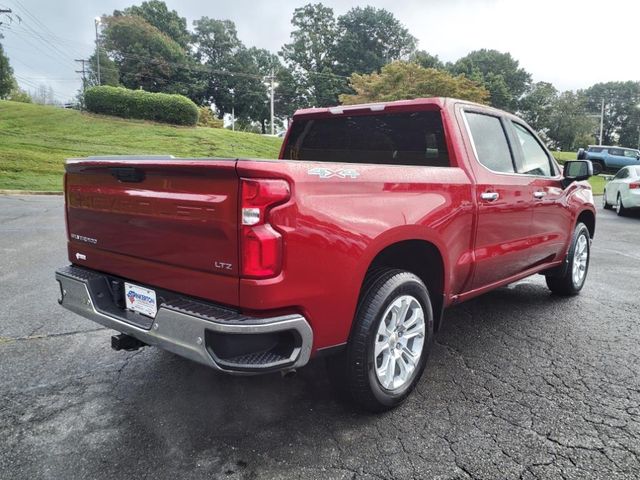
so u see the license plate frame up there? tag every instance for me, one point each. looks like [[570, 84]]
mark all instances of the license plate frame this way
[[140, 299]]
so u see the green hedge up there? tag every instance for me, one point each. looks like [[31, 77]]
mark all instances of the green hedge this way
[[125, 103]]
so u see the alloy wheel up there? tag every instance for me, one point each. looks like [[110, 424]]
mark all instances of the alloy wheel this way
[[399, 342], [580, 260]]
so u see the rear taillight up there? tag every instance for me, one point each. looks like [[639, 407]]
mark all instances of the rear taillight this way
[[260, 243], [633, 186]]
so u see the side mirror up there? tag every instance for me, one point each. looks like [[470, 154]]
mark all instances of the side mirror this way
[[577, 170]]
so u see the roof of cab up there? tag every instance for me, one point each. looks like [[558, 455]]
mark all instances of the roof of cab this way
[[395, 106]]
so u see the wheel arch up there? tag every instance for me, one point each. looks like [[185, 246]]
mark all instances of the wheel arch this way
[[421, 257], [589, 219]]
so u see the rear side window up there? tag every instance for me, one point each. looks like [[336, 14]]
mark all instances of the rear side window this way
[[621, 174], [490, 141], [535, 160], [595, 149], [396, 139], [616, 152]]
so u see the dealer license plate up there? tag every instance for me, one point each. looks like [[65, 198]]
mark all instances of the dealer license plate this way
[[140, 299]]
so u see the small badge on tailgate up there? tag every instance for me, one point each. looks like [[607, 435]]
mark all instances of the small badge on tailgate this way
[[140, 299]]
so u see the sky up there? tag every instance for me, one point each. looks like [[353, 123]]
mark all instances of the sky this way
[[570, 43]]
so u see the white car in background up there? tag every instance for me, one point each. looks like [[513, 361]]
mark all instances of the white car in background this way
[[623, 191]]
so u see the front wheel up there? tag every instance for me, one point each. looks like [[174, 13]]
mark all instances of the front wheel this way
[[606, 205], [390, 341], [620, 210], [571, 281]]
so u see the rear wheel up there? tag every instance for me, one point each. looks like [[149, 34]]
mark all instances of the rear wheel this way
[[572, 279], [390, 341], [620, 210]]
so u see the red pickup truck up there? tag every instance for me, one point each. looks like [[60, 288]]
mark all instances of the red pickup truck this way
[[373, 220]]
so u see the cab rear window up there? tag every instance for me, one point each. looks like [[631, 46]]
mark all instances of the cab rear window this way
[[415, 138]]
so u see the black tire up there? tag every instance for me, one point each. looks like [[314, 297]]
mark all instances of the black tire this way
[[564, 283], [620, 210], [606, 205], [600, 163], [354, 370], [581, 154]]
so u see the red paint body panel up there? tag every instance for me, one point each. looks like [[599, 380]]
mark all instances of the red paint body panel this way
[[175, 228]]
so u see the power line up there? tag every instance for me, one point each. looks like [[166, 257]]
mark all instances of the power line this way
[[55, 52]]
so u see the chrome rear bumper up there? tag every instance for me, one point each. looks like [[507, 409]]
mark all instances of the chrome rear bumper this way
[[188, 327]]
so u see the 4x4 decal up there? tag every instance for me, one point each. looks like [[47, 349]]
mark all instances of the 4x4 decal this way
[[328, 173]]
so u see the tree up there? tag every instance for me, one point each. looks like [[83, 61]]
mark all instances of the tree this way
[[537, 106], [215, 41], [250, 91], [310, 55], [369, 38], [19, 95], [499, 72], [401, 80], [146, 57], [109, 73], [156, 13], [44, 95], [216, 44], [7, 81], [621, 115], [426, 60], [289, 96], [569, 127]]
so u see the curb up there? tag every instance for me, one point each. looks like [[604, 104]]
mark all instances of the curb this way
[[29, 192]]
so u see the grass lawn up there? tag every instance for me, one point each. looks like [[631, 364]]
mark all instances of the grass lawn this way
[[564, 156], [35, 140], [597, 184]]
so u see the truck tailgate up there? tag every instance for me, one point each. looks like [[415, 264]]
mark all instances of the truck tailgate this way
[[167, 223]]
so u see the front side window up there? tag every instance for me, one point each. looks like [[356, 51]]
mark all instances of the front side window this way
[[535, 160], [631, 153], [490, 141], [415, 138]]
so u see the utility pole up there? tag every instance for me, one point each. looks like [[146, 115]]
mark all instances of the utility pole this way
[[601, 120], [83, 72], [233, 110], [8, 12], [272, 89], [84, 79], [97, 22]]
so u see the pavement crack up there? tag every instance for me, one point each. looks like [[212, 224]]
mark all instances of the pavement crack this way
[[48, 335]]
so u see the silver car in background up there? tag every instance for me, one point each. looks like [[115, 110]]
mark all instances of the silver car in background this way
[[623, 191]]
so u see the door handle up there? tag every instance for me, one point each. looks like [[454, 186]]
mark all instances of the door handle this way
[[539, 194], [490, 196]]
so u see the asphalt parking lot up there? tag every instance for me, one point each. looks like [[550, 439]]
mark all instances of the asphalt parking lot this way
[[521, 384]]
